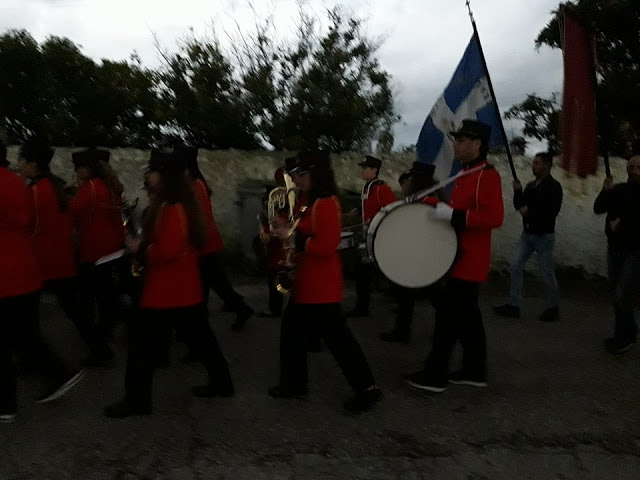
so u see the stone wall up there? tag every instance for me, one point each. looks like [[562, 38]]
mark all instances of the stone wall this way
[[236, 177]]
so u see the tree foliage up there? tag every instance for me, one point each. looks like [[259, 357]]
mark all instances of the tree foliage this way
[[540, 117], [615, 24], [322, 89]]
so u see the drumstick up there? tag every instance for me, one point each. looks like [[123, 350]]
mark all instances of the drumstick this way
[[428, 191]]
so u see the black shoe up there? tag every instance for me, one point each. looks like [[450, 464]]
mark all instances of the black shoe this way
[[618, 346], [507, 310], [462, 378], [60, 390], [551, 314], [395, 336], [209, 391], [357, 312], [278, 392], [363, 401], [244, 314], [125, 409], [423, 381]]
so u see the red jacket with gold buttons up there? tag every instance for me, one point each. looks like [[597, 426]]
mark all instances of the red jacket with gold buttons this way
[[19, 271], [375, 195], [478, 209], [214, 240], [98, 219], [172, 275], [53, 233], [318, 273]]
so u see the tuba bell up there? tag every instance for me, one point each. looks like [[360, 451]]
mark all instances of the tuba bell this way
[[279, 199]]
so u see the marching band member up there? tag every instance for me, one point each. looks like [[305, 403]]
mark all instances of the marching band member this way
[[269, 235], [315, 307], [53, 241], [375, 195], [474, 210], [20, 284], [97, 212], [418, 178], [212, 268], [172, 296]]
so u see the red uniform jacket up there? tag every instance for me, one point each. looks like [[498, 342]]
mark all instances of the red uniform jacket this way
[[19, 272], [98, 219], [478, 208], [214, 240], [172, 277], [318, 274], [375, 195], [53, 233]]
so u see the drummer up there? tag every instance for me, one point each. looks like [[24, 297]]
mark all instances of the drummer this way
[[474, 210], [375, 195]]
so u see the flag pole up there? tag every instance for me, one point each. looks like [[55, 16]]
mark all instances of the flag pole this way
[[493, 95]]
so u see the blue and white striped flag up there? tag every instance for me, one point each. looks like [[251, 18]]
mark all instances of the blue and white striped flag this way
[[467, 96]]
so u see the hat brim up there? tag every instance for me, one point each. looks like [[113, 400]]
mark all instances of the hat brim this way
[[473, 136], [298, 170]]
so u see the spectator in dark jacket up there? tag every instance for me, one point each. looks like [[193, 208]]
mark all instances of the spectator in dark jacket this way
[[539, 205], [621, 203]]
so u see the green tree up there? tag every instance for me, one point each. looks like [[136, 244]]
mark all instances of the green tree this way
[[541, 119], [322, 90], [202, 101]]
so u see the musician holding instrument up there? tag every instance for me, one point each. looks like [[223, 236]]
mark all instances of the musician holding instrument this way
[[214, 276], [53, 241], [172, 297], [375, 195], [97, 212], [274, 221], [314, 307], [474, 210]]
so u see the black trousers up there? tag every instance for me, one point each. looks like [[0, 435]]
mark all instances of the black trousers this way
[[458, 317], [275, 297], [365, 273], [214, 277], [68, 293], [20, 333], [302, 321], [150, 338], [406, 298], [98, 289]]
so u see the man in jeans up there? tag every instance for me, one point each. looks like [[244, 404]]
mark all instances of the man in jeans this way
[[539, 205], [621, 203]]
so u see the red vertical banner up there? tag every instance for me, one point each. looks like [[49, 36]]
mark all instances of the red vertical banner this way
[[579, 129]]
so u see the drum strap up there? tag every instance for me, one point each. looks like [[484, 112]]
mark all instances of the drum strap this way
[[463, 173]]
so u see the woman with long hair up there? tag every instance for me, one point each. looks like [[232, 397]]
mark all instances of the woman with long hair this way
[[214, 276], [53, 240], [20, 285], [97, 212], [314, 308], [173, 233]]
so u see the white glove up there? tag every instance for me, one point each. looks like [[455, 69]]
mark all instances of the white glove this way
[[443, 211]]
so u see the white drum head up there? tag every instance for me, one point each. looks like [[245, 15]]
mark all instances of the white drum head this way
[[412, 248]]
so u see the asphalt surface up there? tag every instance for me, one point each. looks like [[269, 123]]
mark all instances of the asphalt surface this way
[[557, 406]]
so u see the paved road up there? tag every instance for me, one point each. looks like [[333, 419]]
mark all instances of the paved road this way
[[557, 407]]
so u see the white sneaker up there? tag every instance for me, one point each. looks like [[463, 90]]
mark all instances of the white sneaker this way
[[62, 389], [8, 417]]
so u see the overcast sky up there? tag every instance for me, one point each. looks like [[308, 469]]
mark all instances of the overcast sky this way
[[425, 39]]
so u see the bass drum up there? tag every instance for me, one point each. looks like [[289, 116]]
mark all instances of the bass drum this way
[[411, 247]]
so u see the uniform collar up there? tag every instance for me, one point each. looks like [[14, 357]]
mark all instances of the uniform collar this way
[[474, 163]]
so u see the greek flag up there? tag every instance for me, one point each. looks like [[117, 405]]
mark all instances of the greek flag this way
[[467, 96]]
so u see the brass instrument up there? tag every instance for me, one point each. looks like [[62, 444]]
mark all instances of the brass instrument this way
[[279, 198]]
